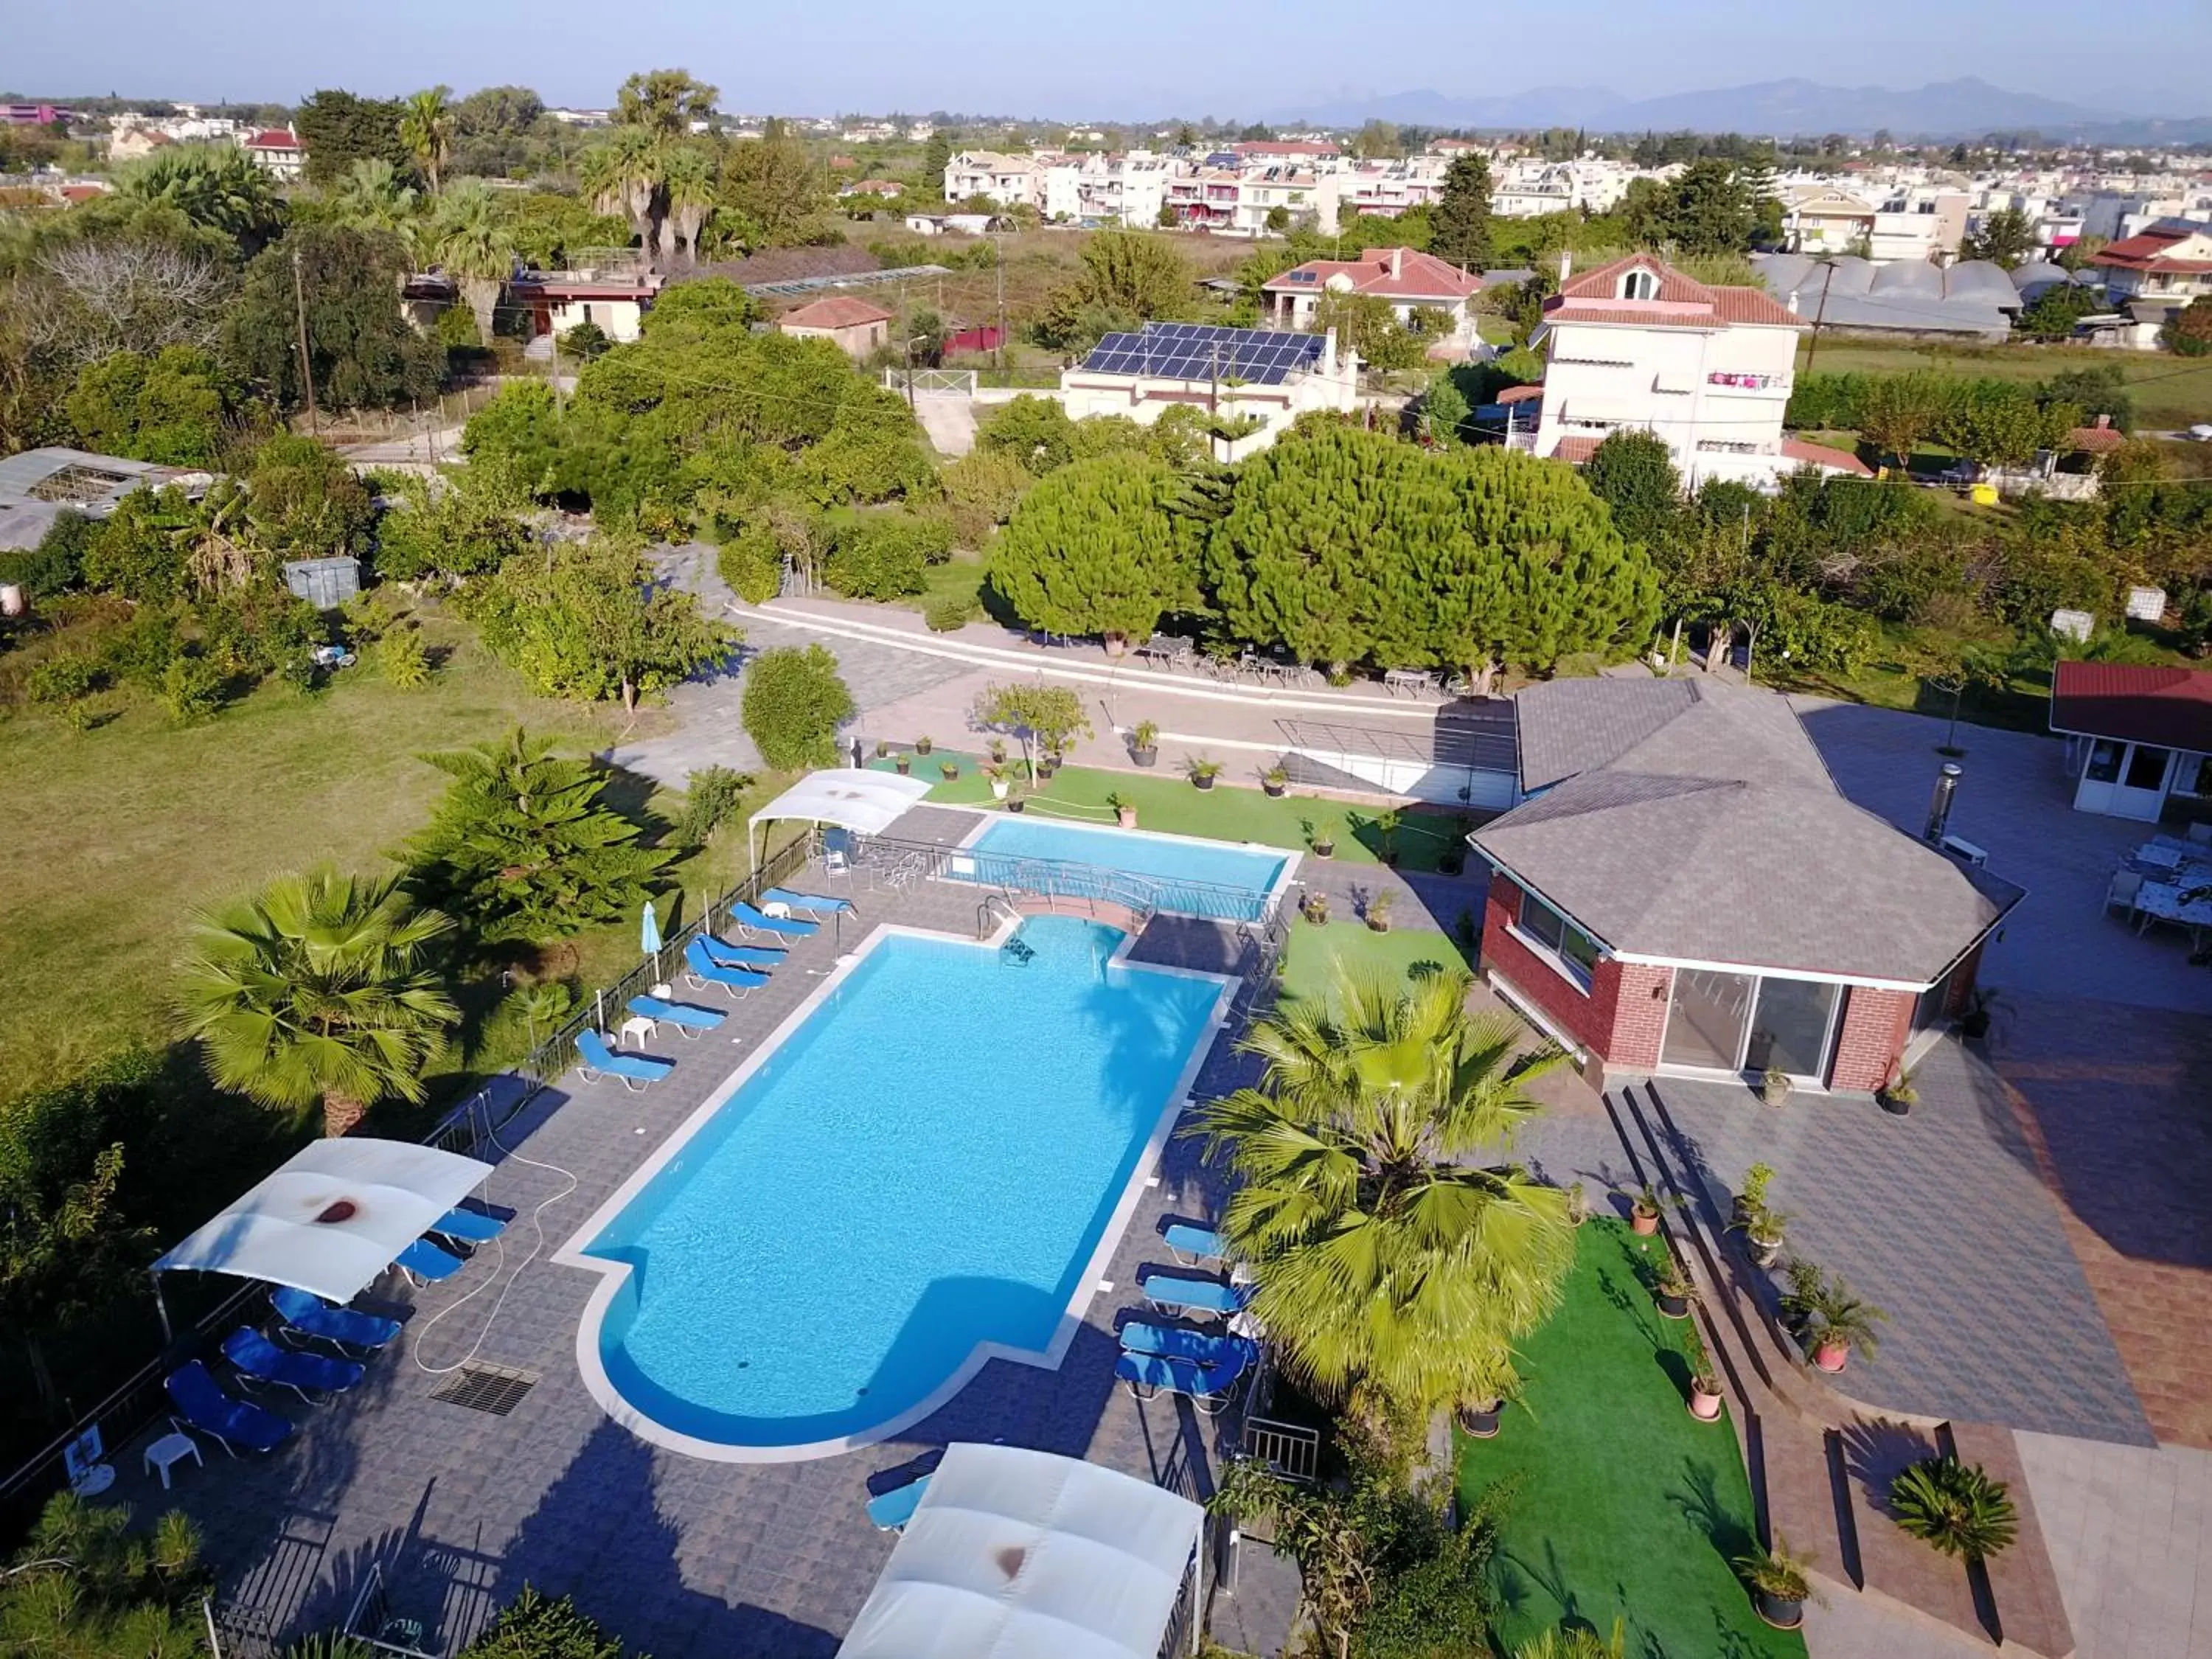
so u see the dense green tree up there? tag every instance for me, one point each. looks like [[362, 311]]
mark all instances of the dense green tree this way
[[1368, 324], [1445, 411], [794, 701], [1098, 547], [467, 522], [523, 847], [217, 186], [982, 489], [1634, 473], [1706, 208], [1899, 412], [174, 407], [1462, 215], [426, 129], [664, 101], [2006, 237], [1035, 431], [1131, 275], [376, 197], [533, 1626], [2058, 309], [363, 354], [551, 231], [139, 550], [936, 156], [774, 191], [2189, 333], [320, 988], [470, 240], [303, 501], [885, 555], [337, 128], [1377, 141], [2000, 424], [593, 621], [497, 113], [86, 1584]]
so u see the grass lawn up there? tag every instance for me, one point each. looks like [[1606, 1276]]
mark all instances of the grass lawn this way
[[2169, 391], [117, 833], [1167, 801], [1627, 1506], [1315, 955]]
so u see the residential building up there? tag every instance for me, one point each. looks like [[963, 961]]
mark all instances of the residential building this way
[[614, 302], [2171, 261], [1684, 890], [277, 151], [1919, 224], [1636, 345], [2139, 737], [886, 190], [135, 143], [1823, 219], [1009, 180], [1409, 279], [1270, 376], [853, 326], [35, 115]]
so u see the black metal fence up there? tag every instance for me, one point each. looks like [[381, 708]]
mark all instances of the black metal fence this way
[[1065, 878]]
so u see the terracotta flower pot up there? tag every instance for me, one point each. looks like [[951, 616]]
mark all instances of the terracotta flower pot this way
[[1644, 1221], [1126, 816], [1831, 1356], [905, 765], [1705, 1403]]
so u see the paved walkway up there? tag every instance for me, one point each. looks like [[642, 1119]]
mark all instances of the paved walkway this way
[[2129, 1532]]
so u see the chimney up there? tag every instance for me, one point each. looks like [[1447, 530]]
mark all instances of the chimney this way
[[1397, 263], [1939, 806], [1566, 265], [1328, 352], [2104, 422]]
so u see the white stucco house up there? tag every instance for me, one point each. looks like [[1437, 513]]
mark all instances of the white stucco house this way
[[1270, 375]]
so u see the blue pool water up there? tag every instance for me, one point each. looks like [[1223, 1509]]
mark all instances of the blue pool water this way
[[927, 1163], [1169, 862]]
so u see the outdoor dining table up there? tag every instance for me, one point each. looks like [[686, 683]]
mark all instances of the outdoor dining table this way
[[1407, 679], [2185, 904]]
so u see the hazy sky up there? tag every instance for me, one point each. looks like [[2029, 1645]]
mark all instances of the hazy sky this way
[[1121, 58]]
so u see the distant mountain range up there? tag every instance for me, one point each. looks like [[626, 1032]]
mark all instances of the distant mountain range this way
[[1948, 109]]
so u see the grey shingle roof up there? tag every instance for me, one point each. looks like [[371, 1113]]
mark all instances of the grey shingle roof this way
[[1697, 822]]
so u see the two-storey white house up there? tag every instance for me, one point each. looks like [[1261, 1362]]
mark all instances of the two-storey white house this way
[[2171, 260], [1637, 345], [1009, 180]]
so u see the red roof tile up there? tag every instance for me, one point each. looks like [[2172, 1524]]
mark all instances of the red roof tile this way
[[1575, 450], [1421, 276], [1520, 394], [2096, 439], [274, 138], [1821, 455], [1680, 303], [2169, 707], [838, 311], [2146, 251]]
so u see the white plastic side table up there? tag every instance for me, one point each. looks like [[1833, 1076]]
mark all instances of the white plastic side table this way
[[169, 1450]]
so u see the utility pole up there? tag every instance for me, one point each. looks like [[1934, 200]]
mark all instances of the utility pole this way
[[1827, 276], [909, 377], [307, 368]]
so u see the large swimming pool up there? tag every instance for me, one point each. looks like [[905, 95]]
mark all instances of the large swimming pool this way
[[1204, 877], [919, 1175]]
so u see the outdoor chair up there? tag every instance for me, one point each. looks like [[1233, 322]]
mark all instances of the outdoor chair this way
[[1192, 1245], [595, 1060], [813, 902], [2200, 832], [1191, 1347], [468, 1226], [687, 1020], [700, 969], [310, 1317], [1209, 1389], [760, 957], [1177, 1293], [314, 1376], [201, 1404], [2127, 886], [748, 920], [424, 1263], [890, 1510]]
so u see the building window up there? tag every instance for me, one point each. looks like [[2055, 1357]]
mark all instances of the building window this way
[[1639, 285], [588, 314], [1558, 940], [1727, 446]]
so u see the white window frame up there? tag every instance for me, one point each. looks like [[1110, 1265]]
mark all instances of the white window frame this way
[[1552, 957], [1837, 1010]]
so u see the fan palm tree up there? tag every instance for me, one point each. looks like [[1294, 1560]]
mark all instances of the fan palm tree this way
[[373, 197], [688, 181], [1579, 1643], [622, 173], [217, 186], [1388, 1258], [473, 245], [426, 128], [319, 988]]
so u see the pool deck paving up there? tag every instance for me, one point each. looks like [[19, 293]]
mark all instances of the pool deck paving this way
[[682, 1557]]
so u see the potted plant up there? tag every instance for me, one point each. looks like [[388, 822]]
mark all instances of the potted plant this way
[[1016, 801], [1643, 1211], [1480, 1420], [1778, 1584], [905, 764], [1674, 1291], [1115, 643], [1276, 780], [883, 747], [1898, 1097], [951, 769], [1705, 1391], [997, 752], [1377, 910], [1774, 1087], [1320, 842], [1203, 771], [1577, 1205], [999, 783], [1832, 1324], [1125, 812], [922, 746], [1752, 1198], [1047, 763], [1145, 743], [1313, 907], [1957, 1507], [1385, 826], [1764, 1232]]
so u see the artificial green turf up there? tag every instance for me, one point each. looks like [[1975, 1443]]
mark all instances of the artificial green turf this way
[[1169, 801], [1627, 1506], [1315, 955]]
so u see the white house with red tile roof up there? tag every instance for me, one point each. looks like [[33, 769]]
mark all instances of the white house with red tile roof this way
[[853, 326], [2171, 260], [1409, 279], [1637, 345], [277, 151]]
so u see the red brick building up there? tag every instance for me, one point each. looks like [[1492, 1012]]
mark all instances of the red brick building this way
[[1684, 890]]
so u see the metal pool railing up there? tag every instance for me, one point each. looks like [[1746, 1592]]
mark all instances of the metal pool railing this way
[[1066, 878]]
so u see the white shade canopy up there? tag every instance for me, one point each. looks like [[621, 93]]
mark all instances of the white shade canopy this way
[[1012, 1553], [866, 803], [334, 1216]]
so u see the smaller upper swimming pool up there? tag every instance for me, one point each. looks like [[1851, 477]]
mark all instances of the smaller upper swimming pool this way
[[1187, 875]]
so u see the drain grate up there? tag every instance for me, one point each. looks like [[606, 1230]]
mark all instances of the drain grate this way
[[482, 1388]]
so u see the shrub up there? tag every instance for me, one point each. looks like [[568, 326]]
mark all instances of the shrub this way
[[948, 611], [752, 563], [406, 663], [794, 704], [709, 802], [980, 491], [883, 556], [191, 689], [57, 564], [63, 679], [533, 1627], [1956, 1507]]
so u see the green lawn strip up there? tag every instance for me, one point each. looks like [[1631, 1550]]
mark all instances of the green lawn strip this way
[[1315, 955], [2168, 393], [1627, 1506], [1169, 802]]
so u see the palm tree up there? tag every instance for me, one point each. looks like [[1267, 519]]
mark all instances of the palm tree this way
[[217, 186], [426, 127], [373, 197], [1390, 1260], [472, 243], [688, 183], [319, 988], [1581, 1643], [622, 173]]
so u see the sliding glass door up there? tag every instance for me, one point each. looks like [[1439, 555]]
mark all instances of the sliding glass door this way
[[1724, 1022]]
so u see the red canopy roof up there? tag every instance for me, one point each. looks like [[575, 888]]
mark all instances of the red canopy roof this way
[[2169, 707]]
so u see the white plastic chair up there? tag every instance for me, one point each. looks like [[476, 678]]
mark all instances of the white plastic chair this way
[[2127, 886]]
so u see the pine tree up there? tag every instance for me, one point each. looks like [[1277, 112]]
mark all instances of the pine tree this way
[[1460, 220], [1097, 548]]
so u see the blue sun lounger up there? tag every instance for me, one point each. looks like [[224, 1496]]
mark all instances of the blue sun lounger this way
[[763, 957], [687, 1020], [746, 919], [468, 1226], [814, 901], [310, 1316], [1192, 1347], [201, 1404], [1208, 1388], [256, 1359], [595, 1060], [699, 968], [1176, 1293], [890, 1510], [1192, 1245], [426, 1264]]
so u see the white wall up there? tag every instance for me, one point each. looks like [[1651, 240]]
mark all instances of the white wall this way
[[1658, 379]]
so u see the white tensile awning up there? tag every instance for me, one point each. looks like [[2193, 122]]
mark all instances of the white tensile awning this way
[[333, 1217], [866, 803], [1013, 1553]]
